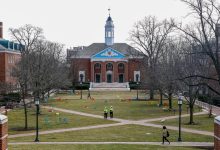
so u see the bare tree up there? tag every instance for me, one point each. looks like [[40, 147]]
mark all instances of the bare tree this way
[[46, 68], [26, 36], [191, 64], [167, 69], [149, 36], [205, 31]]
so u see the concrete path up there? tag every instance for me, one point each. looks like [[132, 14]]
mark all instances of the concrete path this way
[[143, 122], [83, 114], [171, 117], [177, 129], [118, 119], [66, 130], [194, 144], [121, 122]]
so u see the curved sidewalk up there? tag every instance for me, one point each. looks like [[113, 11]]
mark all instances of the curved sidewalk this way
[[190, 144], [121, 122]]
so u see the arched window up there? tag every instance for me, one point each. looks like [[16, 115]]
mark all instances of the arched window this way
[[97, 66], [109, 66], [121, 68]]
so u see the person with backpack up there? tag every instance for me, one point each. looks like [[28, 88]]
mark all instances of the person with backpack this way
[[165, 134]]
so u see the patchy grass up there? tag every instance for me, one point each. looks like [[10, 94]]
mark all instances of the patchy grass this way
[[97, 147], [202, 122], [123, 106], [123, 133], [48, 120]]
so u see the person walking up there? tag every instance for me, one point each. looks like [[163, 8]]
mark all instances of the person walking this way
[[165, 134], [111, 112], [105, 112]]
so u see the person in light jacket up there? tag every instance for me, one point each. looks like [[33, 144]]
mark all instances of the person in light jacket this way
[[165, 134]]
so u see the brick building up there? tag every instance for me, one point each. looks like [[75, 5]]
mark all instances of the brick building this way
[[106, 64], [9, 56]]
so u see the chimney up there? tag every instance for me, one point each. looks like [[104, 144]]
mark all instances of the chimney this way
[[1, 30]]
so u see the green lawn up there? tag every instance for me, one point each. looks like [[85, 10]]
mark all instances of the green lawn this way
[[124, 133], [123, 108], [96, 147], [48, 120], [202, 122]]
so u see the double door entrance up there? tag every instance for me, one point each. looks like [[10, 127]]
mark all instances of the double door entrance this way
[[109, 78], [98, 78]]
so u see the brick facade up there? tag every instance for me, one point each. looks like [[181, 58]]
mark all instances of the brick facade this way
[[3, 132], [109, 54], [87, 65], [2, 67], [8, 61], [82, 65], [136, 65], [9, 56]]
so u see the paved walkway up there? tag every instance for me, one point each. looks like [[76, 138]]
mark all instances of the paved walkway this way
[[83, 114], [118, 119], [142, 122], [171, 117], [198, 144], [121, 122], [66, 130]]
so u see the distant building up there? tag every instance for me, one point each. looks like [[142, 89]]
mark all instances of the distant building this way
[[103, 64], [9, 56]]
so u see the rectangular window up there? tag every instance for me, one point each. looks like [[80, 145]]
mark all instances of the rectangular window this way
[[137, 76], [82, 76], [109, 34]]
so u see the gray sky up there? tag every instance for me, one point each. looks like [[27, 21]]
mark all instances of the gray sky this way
[[81, 22]]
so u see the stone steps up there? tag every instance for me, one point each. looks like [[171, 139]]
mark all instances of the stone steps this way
[[109, 86], [109, 89]]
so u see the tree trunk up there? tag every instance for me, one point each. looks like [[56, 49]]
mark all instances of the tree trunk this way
[[25, 109], [191, 104], [191, 114], [151, 93], [170, 101], [161, 98], [43, 96], [210, 110], [73, 87]]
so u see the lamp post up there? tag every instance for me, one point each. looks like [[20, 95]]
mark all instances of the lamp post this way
[[180, 102], [37, 102], [81, 79], [137, 79]]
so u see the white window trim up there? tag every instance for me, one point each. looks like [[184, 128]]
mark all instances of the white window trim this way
[[83, 73], [139, 73]]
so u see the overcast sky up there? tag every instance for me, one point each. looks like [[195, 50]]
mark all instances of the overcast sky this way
[[81, 22]]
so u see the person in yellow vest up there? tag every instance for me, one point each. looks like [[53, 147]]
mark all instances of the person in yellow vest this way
[[111, 112], [105, 112]]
